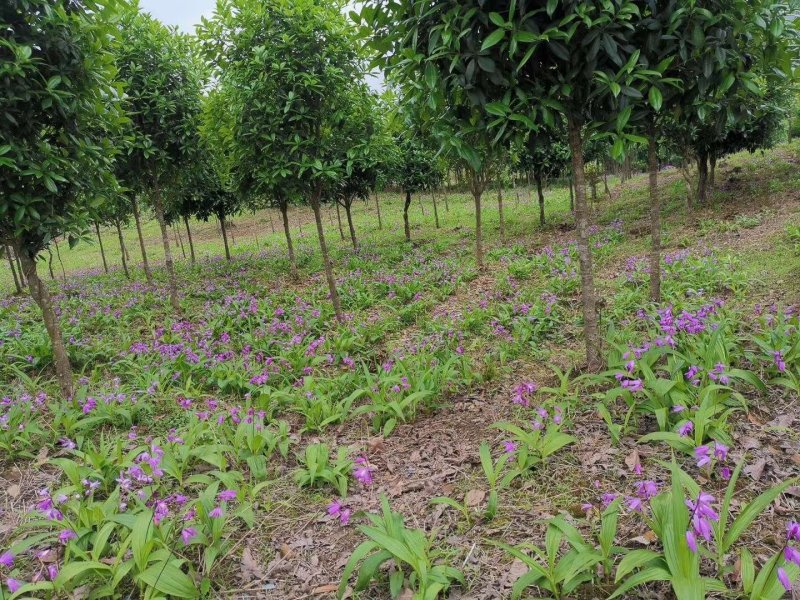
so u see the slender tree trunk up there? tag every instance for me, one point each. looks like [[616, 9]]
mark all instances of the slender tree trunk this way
[[177, 231], [284, 207], [712, 172], [60, 262], [421, 205], [446, 203], [500, 210], [339, 218], [347, 211], [50, 264], [41, 296], [478, 185], [102, 250], [231, 227], [605, 181], [571, 195], [435, 209], [378, 208], [123, 250], [224, 236], [540, 193], [590, 320], [271, 224], [189, 237], [337, 306], [10, 258], [148, 274], [702, 178], [655, 218], [158, 205], [406, 206]]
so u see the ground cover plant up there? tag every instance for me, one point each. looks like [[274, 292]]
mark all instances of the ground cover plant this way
[[407, 402]]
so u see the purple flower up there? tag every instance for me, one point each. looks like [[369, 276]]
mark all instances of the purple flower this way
[[363, 474], [607, 499], [793, 531], [587, 508], [635, 504], [7, 559], [66, 535], [783, 577], [13, 584], [792, 555], [67, 444], [187, 534], [691, 541], [216, 512], [678, 408], [702, 454], [686, 428], [725, 473], [633, 385], [646, 489], [510, 447], [52, 572], [337, 509], [227, 496], [720, 451]]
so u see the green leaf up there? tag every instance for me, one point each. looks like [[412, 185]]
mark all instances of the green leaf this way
[[634, 560], [752, 510], [640, 578], [655, 98], [747, 570], [494, 38], [360, 552], [169, 579]]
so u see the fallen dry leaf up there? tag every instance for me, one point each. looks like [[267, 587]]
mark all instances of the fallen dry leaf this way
[[473, 498], [633, 459], [250, 568], [375, 445], [756, 470], [325, 589], [406, 594], [14, 491], [517, 570], [645, 540]]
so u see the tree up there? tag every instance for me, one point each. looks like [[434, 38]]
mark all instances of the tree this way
[[163, 82], [434, 56], [517, 65], [58, 98], [115, 212], [545, 155], [362, 156], [416, 169], [288, 67]]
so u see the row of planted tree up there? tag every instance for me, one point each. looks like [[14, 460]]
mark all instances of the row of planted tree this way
[[268, 106]]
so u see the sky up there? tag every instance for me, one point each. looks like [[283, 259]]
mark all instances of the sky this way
[[183, 13]]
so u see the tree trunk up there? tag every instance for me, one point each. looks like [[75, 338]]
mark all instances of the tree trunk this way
[[605, 181], [435, 209], [502, 216], [41, 296], [339, 219], [60, 262], [712, 173], [158, 205], [337, 306], [10, 258], [271, 224], [477, 186], [177, 232], [284, 206], [590, 321], [347, 210], [378, 208], [224, 236], [702, 178], [405, 216], [102, 250], [147, 273], [571, 195], [50, 264], [122, 250], [232, 230], [189, 237], [655, 218], [540, 193], [421, 205], [446, 203]]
